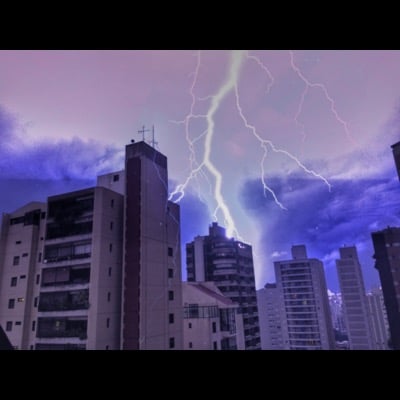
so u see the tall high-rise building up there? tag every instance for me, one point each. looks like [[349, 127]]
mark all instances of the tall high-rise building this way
[[211, 320], [387, 262], [396, 155], [335, 303], [269, 315], [97, 268], [306, 317], [229, 264], [378, 317], [353, 299]]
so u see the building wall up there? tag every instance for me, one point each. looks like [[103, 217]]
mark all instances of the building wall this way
[[387, 256], [379, 323], [306, 318], [269, 314], [20, 240], [229, 264], [354, 300]]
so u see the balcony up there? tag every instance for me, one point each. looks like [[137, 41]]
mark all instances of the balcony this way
[[62, 328], [64, 301]]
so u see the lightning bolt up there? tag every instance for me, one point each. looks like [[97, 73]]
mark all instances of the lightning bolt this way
[[308, 85], [206, 167]]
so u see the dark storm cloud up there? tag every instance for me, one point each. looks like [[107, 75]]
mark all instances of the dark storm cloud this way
[[322, 220]]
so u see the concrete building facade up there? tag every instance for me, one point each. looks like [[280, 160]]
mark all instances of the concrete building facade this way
[[211, 320], [229, 264], [354, 300], [306, 317], [378, 318]]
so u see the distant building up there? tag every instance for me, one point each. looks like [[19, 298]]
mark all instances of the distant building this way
[[304, 302], [379, 322], [353, 299], [396, 155], [211, 320], [336, 306], [387, 262], [229, 264], [98, 268], [269, 315]]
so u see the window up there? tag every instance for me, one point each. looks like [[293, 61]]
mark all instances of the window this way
[[21, 299], [35, 302], [170, 251], [112, 203], [107, 347], [111, 225], [18, 242], [109, 271], [37, 279], [190, 345], [108, 322], [11, 303], [110, 247], [171, 343], [108, 296], [171, 318], [14, 281], [25, 255], [22, 276], [170, 294], [33, 326], [170, 273], [40, 257], [18, 323], [116, 178], [9, 326], [16, 260], [215, 346], [214, 327], [190, 325]]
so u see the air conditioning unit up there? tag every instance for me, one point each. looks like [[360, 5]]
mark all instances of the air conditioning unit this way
[[45, 261]]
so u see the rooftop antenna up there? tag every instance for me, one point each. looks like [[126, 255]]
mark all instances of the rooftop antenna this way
[[153, 142], [143, 130]]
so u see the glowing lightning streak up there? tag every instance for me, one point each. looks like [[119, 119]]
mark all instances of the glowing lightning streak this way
[[327, 96]]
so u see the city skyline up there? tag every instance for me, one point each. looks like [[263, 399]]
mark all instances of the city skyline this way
[[66, 115]]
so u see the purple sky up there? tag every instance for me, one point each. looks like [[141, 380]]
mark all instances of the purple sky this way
[[324, 122]]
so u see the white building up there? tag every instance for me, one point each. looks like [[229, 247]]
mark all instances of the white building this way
[[354, 300], [211, 320], [269, 315], [306, 317]]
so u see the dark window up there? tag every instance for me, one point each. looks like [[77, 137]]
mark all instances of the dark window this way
[[25, 255], [170, 273], [108, 322], [111, 225], [108, 296], [190, 345], [112, 203], [170, 251], [107, 347], [171, 318], [171, 343], [40, 257], [37, 279], [214, 327], [18, 323], [110, 247], [215, 346], [22, 276], [116, 178], [190, 325], [18, 242], [16, 260], [14, 281], [35, 302], [11, 303], [170, 294], [109, 271], [31, 347], [9, 326]]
